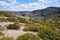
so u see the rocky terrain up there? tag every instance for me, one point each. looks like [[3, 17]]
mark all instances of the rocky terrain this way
[[20, 25]]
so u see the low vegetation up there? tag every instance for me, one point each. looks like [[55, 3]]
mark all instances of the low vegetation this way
[[28, 36], [13, 26], [6, 38], [46, 33], [31, 27], [22, 20], [1, 34], [47, 28]]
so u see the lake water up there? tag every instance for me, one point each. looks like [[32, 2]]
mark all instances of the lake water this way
[[36, 17]]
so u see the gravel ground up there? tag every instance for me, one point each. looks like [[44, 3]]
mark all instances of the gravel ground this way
[[13, 33]]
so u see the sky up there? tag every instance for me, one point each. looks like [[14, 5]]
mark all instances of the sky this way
[[27, 5]]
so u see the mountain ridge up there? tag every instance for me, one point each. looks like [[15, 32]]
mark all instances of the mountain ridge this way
[[49, 11]]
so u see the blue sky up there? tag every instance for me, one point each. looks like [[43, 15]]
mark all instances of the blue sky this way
[[26, 1], [27, 5]]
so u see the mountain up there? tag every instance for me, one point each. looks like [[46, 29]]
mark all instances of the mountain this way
[[50, 11]]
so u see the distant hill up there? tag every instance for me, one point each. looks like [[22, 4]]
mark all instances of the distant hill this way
[[51, 11], [17, 12]]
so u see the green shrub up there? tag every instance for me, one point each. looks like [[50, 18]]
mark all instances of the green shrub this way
[[13, 26], [12, 19], [34, 20], [46, 32], [22, 20], [28, 36], [1, 33], [6, 38], [31, 27], [1, 13], [9, 15], [4, 19]]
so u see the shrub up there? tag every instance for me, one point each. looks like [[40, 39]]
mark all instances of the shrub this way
[[4, 19], [31, 27], [34, 20], [12, 19], [9, 15], [22, 20], [48, 33], [6, 38], [13, 26], [28, 36], [1, 33]]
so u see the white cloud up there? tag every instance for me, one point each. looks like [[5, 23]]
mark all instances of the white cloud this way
[[12, 1], [2, 3], [14, 6], [47, 1], [32, 6]]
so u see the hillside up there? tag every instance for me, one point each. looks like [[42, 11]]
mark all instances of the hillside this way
[[50, 11], [19, 27]]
